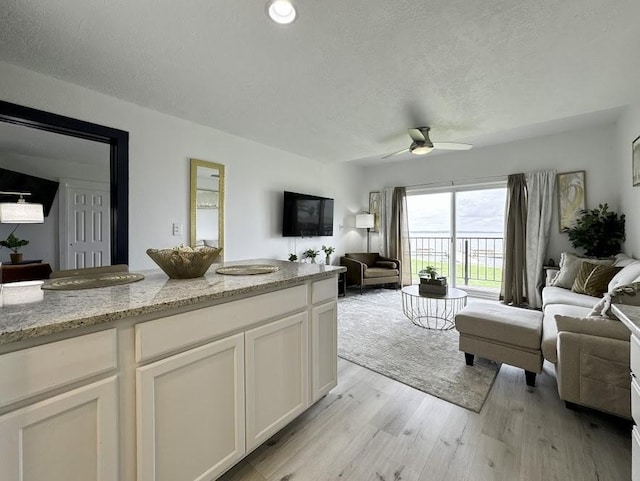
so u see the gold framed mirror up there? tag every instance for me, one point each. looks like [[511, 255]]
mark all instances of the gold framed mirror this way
[[207, 204]]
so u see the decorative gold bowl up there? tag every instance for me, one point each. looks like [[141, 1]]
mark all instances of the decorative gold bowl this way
[[184, 262]]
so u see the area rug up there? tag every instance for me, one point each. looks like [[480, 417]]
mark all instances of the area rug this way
[[374, 333]]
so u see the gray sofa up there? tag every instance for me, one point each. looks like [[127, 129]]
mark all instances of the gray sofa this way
[[590, 352]]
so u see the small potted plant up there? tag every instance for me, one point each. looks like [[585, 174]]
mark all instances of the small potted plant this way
[[311, 254], [328, 251], [14, 244], [293, 258], [430, 271]]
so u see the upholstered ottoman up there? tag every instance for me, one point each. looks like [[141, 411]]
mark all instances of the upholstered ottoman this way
[[502, 334]]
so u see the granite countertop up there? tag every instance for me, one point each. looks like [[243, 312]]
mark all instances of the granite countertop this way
[[63, 310], [629, 315]]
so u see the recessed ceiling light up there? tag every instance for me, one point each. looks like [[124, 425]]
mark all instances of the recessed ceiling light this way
[[281, 11]]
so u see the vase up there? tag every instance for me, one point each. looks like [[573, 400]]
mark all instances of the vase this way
[[313, 260], [16, 258], [327, 259]]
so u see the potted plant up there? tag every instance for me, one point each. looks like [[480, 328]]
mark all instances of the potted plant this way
[[311, 254], [328, 251], [293, 257], [598, 231], [430, 271], [14, 244]]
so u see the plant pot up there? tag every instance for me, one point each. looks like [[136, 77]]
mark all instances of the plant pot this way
[[16, 258]]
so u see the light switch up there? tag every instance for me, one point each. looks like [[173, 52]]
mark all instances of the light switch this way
[[177, 229]]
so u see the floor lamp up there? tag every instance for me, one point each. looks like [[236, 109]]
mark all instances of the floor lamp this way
[[365, 221]]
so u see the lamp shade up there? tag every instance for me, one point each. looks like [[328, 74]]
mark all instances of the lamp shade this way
[[21, 213], [365, 221]]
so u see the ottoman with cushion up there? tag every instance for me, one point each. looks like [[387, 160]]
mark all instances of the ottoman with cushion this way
[[503, 334]]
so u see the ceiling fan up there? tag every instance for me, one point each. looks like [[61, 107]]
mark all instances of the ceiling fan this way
[[422, 144]]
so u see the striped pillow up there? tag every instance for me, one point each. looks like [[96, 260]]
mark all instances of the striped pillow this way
[[593, 279]]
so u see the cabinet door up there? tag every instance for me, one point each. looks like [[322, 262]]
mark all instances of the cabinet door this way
[[324, 349], [190, 411], [67, 437], [277, 376]]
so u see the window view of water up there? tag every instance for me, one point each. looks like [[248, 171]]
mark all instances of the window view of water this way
[[473, 250]]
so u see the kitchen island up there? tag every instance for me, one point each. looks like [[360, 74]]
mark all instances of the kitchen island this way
[[162, 379]]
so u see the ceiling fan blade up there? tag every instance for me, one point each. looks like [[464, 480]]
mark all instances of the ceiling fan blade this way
[[451, 146], [395, 153], [417, 135]]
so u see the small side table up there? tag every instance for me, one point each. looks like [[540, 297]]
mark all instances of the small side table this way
[[432, 311]]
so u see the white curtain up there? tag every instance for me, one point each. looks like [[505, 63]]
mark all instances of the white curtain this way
[[540, 189]]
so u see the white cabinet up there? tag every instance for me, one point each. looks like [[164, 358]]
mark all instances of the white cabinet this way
[[277, 376], [324, 349], [72, 436], [190, 412]]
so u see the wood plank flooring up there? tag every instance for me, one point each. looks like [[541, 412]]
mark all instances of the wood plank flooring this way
[[373, 428]]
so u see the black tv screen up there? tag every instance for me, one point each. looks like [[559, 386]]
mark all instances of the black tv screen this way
[[306, 215]]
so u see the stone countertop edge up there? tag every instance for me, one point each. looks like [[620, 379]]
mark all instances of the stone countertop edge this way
[[71, 309], [629, 315]]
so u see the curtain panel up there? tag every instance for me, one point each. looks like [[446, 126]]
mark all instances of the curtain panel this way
[[540, 189], [398, 242], [514, 273]]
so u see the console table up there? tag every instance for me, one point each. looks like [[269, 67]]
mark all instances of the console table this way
[[24, 272]]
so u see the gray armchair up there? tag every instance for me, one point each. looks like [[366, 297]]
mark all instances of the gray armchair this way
[[370, 269]]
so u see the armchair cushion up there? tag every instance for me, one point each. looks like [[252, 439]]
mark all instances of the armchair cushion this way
[[386, 264]]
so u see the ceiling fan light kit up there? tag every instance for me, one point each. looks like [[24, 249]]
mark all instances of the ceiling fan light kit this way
[[422, 144], [281, 11]]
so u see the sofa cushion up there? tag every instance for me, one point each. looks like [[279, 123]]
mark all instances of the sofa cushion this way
[[380, 272], [627, 275], [558, 295], [594, 326], [593, 279], [550, 329], [623, 260], [505, 324], [570, 265]]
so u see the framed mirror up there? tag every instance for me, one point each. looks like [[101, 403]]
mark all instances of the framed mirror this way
[[207, 204], [118, 168]]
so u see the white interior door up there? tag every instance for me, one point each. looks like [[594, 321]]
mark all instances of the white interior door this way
[[85, 224]]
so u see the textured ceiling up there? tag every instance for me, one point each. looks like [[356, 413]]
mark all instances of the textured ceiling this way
[[346, 79]]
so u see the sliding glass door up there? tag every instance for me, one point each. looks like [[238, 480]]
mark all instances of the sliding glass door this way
[[459, 232]]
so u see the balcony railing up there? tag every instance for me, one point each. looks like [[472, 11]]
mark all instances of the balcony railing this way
[[478, 259]]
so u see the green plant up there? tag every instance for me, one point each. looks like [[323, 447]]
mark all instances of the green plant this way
[[328, 250], [311, 254], [13, 243], [293, 257], [429, 270], [599, 232]]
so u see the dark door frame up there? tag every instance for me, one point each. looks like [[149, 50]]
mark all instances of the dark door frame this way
[[119, 162]]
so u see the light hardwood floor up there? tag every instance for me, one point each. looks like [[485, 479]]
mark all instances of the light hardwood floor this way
[[373, 428]]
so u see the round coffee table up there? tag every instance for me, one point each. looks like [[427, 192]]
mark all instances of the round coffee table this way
[[432, 311]]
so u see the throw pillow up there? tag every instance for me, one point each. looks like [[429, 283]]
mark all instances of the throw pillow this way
[[569, 267], [386, 264], [593, 279], [627, 275]]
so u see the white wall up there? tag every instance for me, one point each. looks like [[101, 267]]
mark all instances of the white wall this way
[[589, 149], [628, 128], [159, 150]]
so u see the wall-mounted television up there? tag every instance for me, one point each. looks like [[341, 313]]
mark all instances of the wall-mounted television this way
[[306, 215]]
